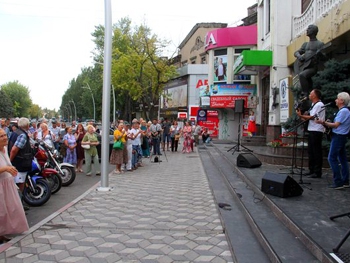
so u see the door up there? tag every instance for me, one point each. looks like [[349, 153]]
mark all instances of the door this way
[[265, 91]]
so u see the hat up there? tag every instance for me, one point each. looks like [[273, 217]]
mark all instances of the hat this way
[[126, 123], [53, 122]]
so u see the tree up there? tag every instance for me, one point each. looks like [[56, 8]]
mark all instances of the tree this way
[[139, 71], [6, 105], [335, 78], [35, 112], [19, 95]]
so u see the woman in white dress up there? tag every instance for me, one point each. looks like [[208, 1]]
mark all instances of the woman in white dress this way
[[12, 216]]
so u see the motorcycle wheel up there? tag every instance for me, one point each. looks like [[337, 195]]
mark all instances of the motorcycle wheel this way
[[68, 175], [55, 182], [38, 196]]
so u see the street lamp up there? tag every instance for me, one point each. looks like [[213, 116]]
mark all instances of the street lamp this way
[[75, 110], [114, 105], [71, 112], [93, 99], [67, 111]]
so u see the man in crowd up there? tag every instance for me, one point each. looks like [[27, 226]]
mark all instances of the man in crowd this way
[[156, 130], [55, 131], [20, 152], [166, 134], [136, 144]]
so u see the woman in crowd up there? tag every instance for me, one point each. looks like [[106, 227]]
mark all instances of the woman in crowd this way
[[90, 138], [187, 135], [79, 135], [119, 156], [146, 133], [71, 144], [13, 219], [175, 134], [44, 134]]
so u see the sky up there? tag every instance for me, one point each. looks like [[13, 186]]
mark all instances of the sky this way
[[44, 44]]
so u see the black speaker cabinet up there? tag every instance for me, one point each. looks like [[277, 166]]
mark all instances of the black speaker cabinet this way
[[281, 185], [248, 160], [239, 106]]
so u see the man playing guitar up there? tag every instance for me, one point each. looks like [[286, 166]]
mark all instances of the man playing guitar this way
[[315, 131]]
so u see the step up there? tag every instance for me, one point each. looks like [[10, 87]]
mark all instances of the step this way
[[268, 229], [246, 248]]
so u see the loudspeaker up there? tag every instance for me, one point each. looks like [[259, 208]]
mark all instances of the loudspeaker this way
[[239, 106], [248, 160], [281, 185]]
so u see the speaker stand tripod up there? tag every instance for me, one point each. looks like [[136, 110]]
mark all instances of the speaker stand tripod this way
[[238, 145], [336, 249]]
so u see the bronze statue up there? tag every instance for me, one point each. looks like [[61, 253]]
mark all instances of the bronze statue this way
[[308, 57]]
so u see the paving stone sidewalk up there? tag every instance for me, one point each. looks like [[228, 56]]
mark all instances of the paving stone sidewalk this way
[[162, 212]]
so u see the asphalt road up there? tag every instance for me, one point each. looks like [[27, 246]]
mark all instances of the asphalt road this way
[[66, 194]]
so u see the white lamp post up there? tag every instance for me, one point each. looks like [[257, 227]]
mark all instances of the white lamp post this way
[[93, 99], [114, 105], [75, 110]]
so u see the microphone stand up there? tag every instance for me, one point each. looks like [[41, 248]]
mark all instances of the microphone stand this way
[[303, 141], [295, 128]]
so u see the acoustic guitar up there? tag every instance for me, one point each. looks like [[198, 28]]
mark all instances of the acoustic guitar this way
[[301, 65]]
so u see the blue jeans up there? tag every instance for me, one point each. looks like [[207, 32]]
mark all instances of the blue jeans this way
[[136, 155], [336, 156]]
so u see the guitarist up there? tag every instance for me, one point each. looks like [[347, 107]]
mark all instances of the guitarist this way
[[315, 131], [307, 60]]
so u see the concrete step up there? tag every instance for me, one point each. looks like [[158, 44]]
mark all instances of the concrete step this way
[[278, 242], [254, 140]]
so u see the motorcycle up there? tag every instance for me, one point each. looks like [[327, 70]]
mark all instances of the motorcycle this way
[[36, 190], [48, 156]]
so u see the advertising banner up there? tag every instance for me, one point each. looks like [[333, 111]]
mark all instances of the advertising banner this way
[[226, 101], [202, 115]]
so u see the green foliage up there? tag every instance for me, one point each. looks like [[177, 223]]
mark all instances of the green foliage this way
[[335, 78], [139, 73], [6, 105], [19, 95]]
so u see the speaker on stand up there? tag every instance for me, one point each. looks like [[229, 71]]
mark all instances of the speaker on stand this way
[[239, 108]]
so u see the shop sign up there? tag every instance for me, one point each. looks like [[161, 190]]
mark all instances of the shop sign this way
[[226, 101], [182, 115]]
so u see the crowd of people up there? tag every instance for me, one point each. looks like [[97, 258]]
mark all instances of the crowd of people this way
[[139, 139], [142, 139]]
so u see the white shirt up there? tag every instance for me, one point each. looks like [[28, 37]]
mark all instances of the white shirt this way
[[137, 140], [316, 109]]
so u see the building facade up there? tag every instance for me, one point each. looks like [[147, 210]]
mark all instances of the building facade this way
[[254, 63]]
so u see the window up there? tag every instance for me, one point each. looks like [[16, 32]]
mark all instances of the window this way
[[266, 17]]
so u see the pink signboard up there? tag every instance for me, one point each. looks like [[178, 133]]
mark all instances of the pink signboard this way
[[231, 36]]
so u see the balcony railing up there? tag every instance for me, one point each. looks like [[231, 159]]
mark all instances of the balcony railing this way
[[315, 11]]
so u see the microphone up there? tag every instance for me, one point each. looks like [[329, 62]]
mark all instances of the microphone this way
[[328, 104]]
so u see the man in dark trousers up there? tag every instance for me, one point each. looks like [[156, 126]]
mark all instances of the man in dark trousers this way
[[156, 130], [315, 133]]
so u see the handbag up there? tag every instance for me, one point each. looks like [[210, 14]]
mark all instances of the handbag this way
[[118, 145], [177, 137], [86, 146]]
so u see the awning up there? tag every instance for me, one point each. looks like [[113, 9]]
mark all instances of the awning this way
[[251, 61]]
